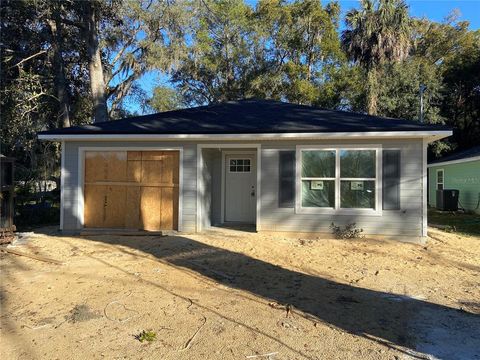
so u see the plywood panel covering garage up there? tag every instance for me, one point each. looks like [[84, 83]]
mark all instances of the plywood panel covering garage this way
[[131, 189]]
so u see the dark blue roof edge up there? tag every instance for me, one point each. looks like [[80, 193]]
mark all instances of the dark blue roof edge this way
[[83, 132], [210, 119], [460, 155]]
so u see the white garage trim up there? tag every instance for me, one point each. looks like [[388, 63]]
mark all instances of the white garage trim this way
[[62, 184], [81, 176], [424, 189]]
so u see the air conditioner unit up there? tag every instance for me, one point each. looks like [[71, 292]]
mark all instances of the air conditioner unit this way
[[447, 199]]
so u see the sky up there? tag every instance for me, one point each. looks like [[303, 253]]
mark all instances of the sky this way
[[435, 10]]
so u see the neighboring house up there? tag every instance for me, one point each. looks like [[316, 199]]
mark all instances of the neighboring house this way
[[460, 171], [279, 166]]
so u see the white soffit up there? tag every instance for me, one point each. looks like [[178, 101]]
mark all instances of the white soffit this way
[[429, 135]]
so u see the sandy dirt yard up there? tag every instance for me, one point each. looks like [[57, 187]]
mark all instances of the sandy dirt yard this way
[[238, 295]]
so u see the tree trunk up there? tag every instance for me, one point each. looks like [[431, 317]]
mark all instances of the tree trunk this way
[[372, 91], [97, 83], [60, 81]]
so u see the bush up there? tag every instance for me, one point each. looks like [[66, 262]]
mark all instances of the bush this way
[[32, 215], [349, 232]]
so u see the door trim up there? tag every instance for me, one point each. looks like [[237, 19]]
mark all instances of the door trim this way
[[223, 182], [81, 176], [201, 184]]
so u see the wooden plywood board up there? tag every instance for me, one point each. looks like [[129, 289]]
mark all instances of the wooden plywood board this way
[[166, 209], [153, 155], [168, 168], [175, 156], [94, 164], [95, 196], [150, 207], [134, 155], [133, 190], [132, 208], [134, 171], [152, 171], [116, 166], [115, 206], [105, 166]]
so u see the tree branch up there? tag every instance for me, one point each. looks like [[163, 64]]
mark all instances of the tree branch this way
[[28, 58]]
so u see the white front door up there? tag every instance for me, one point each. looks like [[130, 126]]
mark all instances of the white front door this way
[[240, 188]]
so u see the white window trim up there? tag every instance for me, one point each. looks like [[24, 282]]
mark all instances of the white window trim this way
[[337, 210], [240, 158], [81, 176], [443, 179]]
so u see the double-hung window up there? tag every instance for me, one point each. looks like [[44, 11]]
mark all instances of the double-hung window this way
[[440, 179], [338, 179]]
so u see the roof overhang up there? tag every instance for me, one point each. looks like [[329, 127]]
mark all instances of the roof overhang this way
[[429, 135], [457, 161]]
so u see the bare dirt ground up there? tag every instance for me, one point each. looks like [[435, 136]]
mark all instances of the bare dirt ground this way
[[239, 295]]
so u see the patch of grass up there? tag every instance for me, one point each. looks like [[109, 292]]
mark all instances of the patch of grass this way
[[146, 335], [468, 224]]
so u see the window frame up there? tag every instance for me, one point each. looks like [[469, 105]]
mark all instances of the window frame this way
[[443, 179], [337, 209], [243, 165]]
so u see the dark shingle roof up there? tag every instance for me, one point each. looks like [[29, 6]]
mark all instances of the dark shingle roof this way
[[248, 117], [465, 154]]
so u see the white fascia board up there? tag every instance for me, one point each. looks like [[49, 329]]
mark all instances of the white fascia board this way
[[458, 161], [430, 135]]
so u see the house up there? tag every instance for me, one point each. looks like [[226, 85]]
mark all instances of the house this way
[[278, 166], [460, 171]]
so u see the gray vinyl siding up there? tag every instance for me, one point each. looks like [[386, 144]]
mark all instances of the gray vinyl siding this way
[[405, 223], [210, 198]]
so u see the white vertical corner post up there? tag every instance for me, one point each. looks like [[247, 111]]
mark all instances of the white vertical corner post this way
[[201, 183], [62, 183], [424, 187], [200, 187]]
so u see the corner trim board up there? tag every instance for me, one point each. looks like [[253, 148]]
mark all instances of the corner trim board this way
[[424, 189], [62, 185]]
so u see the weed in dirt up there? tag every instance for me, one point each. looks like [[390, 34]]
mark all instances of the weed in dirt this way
[[349, 232], [82, 313], [305, 241], [146, 335]]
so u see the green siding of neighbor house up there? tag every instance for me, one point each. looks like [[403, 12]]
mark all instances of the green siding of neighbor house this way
[[464, 177]]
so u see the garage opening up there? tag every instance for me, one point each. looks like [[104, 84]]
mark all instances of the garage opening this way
[[131, 190]]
